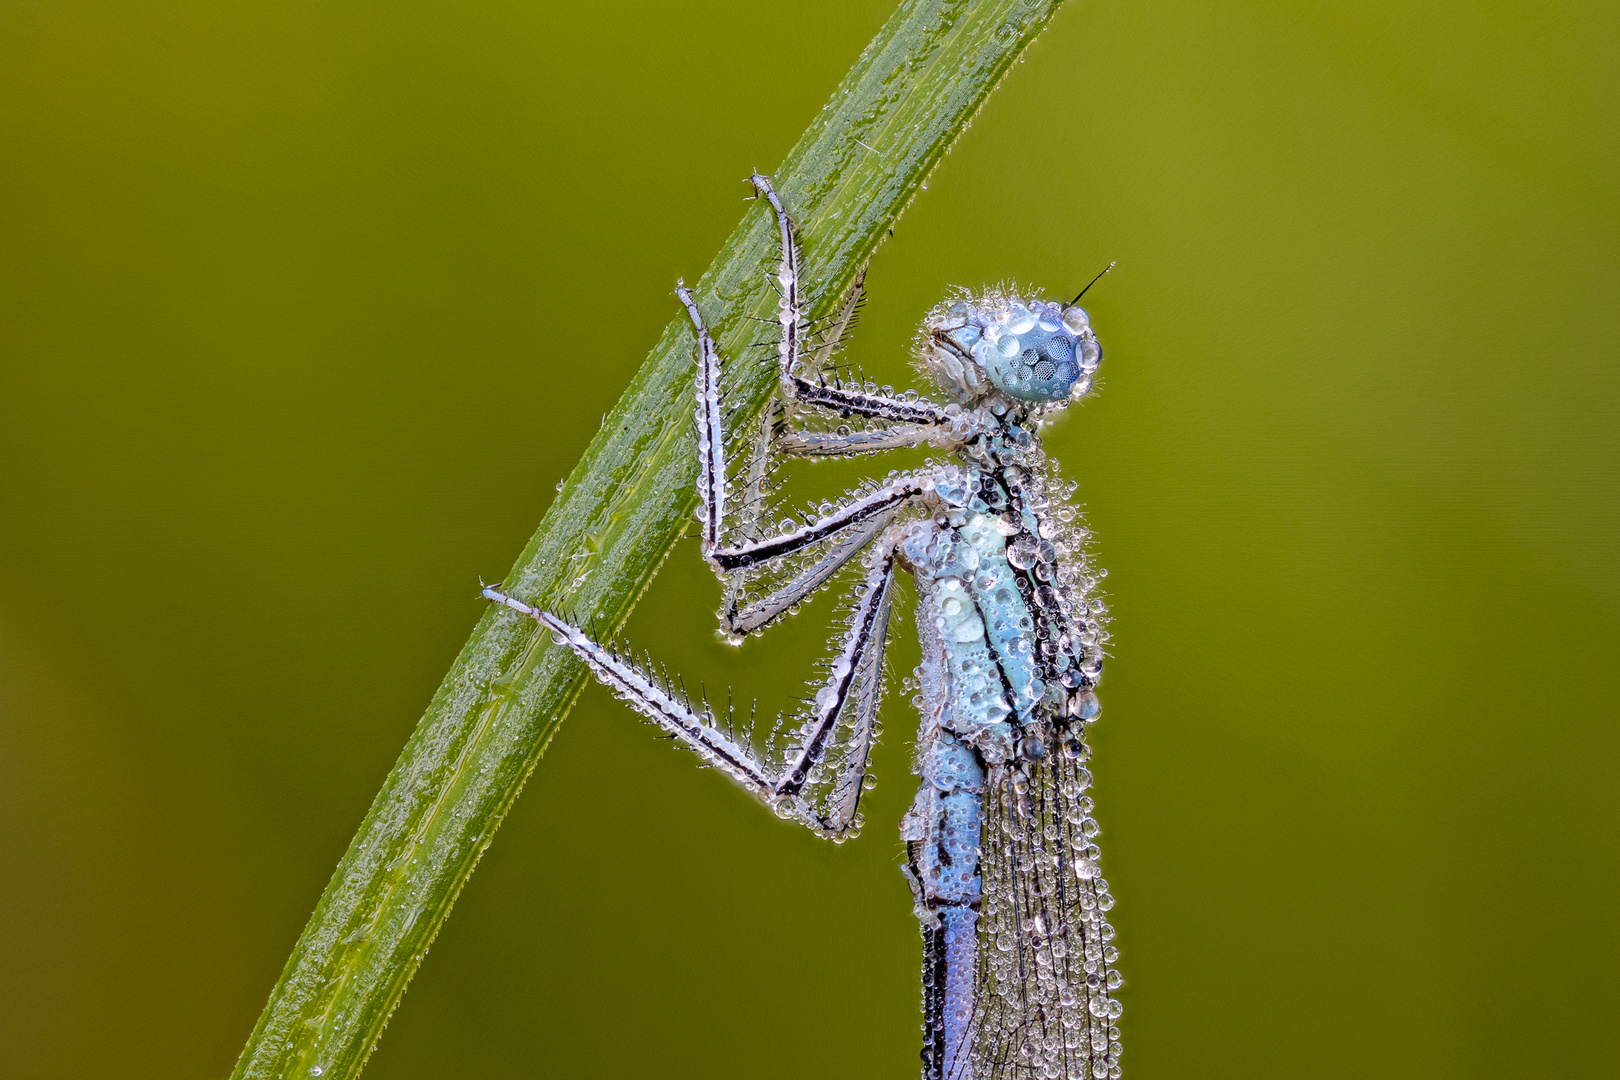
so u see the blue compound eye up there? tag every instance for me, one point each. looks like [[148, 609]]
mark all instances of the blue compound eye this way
[[1036, 365], [1040, 367], [1032, 351]]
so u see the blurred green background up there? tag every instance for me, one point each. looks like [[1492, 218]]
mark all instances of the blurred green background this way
[[306, 308]]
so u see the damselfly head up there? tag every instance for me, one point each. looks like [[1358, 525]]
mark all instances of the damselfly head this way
[[1035, 351]]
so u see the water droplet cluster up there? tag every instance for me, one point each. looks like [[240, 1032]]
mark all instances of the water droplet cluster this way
[[1047, 966], [1013, 647], [1002, 854], [1035, 351]]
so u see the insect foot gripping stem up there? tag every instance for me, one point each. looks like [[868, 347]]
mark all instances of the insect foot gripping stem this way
[[654, 701]]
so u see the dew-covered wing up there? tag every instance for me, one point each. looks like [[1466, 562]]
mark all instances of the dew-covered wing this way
[[1046, 958]]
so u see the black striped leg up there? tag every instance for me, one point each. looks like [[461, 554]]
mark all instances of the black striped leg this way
[[747, 524], [833, 334], [787, 283], [736, 570], [832, 444], [889, 496], [839, 399], [846, 705], [842, 717], [749, 517], [849, 402], [710, 428], [783, 439], [645, 694], [741, 618], [740, 615], [712, 462]]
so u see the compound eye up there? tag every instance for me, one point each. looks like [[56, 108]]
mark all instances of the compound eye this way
[[1059, 347], [1032, 364]]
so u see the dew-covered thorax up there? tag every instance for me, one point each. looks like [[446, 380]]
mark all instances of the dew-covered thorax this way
[[1036, 353], [1009, 598]]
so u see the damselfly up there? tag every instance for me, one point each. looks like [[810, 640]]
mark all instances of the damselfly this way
[[1018, 965]]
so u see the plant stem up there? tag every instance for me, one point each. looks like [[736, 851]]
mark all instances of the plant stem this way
[[910, 94]]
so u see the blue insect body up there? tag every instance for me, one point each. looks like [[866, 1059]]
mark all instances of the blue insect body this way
[[1018, 968]]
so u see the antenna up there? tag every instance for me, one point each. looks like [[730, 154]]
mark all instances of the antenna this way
[[1093, 281]]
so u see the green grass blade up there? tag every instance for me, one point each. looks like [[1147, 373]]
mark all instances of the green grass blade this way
[[911, 92]]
